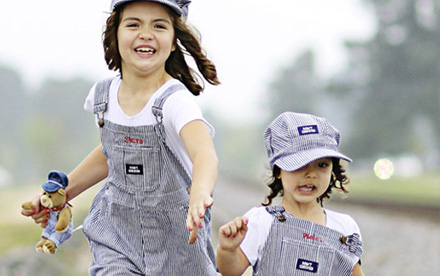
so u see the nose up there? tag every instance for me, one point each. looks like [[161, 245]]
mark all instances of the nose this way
[[45, 201], [145, 34], [310, 171]]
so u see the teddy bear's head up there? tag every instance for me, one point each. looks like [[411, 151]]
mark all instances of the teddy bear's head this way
[[54, 193], [54, 199]]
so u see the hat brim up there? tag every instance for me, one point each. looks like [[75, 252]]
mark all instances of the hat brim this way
[[295, 161], [50, 187], [173, 6]]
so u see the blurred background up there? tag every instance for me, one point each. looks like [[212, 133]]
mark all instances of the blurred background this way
[[371, 67]]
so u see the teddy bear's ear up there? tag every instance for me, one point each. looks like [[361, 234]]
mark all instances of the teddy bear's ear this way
[[62, 192]]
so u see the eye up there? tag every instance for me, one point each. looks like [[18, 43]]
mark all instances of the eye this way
[[132, 25], [323, 164], [160, 26]]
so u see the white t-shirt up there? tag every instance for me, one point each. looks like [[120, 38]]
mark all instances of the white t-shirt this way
[[179, 109], [260, 222]]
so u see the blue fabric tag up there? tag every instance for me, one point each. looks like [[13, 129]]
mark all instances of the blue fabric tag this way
[[306, 130], [308, 266]]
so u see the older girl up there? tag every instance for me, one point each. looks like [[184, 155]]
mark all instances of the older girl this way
[[156, 148]]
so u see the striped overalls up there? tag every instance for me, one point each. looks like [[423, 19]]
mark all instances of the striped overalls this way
[[302, 248], [136, 225]]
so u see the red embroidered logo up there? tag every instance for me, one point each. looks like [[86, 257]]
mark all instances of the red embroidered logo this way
[[133, 140], [313, 237]]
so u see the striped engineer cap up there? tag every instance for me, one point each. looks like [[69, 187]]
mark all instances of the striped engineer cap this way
[[179, 6], [293, 140]]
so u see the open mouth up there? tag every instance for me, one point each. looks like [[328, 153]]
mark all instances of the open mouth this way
[[145, 50], [307, 188]]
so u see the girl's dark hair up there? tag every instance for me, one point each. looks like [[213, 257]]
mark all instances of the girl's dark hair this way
[[338, 181], [187, 42]]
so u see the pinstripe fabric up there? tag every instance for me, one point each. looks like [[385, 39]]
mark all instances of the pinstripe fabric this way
[[298, 247], [136, 225], [293, 140]]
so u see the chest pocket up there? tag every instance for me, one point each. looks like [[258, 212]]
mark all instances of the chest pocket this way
[[303, 258], [139, 168]]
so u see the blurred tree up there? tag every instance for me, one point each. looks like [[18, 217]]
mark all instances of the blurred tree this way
[[299, 88], [45, 129], [14, 109], [387, 101], [60, 133], [395, 80], [240, 150], [295, 88]]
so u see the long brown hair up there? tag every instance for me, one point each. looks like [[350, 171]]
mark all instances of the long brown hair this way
[[187, 42], [338, 181]]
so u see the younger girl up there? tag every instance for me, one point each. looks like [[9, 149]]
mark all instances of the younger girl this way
[[298, 237], [156, 152]]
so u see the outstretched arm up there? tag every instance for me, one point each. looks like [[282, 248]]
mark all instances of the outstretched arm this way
[[200, 148], [231, 260], [89, 172]]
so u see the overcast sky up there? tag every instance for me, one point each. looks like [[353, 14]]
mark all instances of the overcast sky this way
[[248, 40]]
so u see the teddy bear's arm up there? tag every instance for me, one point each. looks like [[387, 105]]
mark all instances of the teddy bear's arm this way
[[29, 209], [64, 218]]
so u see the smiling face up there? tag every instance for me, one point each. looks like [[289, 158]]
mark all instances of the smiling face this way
[[145, 38], [305, 185]]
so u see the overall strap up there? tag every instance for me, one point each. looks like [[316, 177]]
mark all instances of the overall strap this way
[[354, 244], [102, 89], [277, 211], [159, 102]]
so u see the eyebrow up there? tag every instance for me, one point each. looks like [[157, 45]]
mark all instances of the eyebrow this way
[[139, 20]]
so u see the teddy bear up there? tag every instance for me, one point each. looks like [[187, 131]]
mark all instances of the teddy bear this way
[[54, 201]]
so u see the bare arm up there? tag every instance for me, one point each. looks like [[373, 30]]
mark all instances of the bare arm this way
[[357, 270], [200, 148], [231, 260], [88, 173]]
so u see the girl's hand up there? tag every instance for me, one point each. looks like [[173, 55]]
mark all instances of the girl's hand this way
[[232, 234], [35, 212], [198, 204]]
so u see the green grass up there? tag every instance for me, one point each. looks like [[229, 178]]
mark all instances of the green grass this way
[[422, 190], [20, 234]]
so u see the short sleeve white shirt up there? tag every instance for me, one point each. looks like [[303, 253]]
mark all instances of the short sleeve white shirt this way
[[179, 109]]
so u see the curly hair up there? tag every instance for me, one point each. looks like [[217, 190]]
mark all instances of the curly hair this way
[[187, 42], [338, 181]]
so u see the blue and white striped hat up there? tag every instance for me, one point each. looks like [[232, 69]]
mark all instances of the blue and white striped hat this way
[[293, 140], [56, 180], [179, 6]]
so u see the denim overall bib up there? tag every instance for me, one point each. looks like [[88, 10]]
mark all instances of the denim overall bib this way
[[50, 233], [136, 224], [298, 247]]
